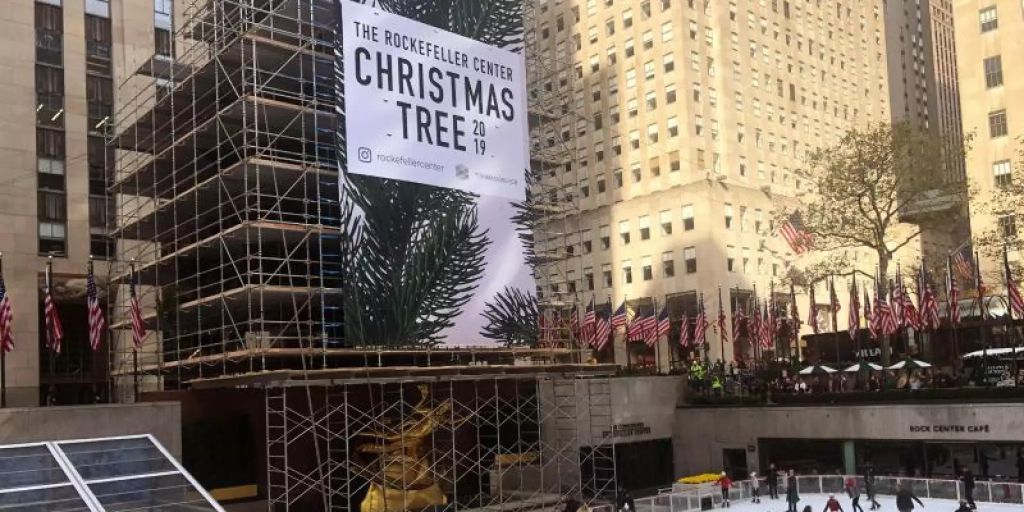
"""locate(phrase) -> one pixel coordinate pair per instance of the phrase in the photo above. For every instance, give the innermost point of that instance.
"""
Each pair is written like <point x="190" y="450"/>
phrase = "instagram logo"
<point x="365" y="155"/>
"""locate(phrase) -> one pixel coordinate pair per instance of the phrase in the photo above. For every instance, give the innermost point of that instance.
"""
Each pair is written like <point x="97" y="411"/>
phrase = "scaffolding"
<point x="555" y="171"/>
<point x="499" y="442"/>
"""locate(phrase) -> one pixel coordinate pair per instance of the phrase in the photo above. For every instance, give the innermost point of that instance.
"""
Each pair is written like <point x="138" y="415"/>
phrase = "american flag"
<point x="979" y="287"/>
<point x="812" y="314"/>
<point x="651" y="328"/>
<point x="833" y="304"/>
<point x="720" y="323"/>
<point x="886" y="323"/>
<point x="739" y="319"/>
<point x="620" y="317"/>
<point x="664" y="325"/>
<point x="701" y="327"/>
<point x="952" y="295"/>
<point x="636" y="327"/>
<point x="589" y="320"/>
<point x="1012" y="291"/>
<point x="896" y="302"/>
<point x="795" y="233"/>
<point x="6" y="317"/>
<point x="139" y="327"/>
<point x="854" y="317"/>
<point x="869" y="320"/>
<point x="767" y="328"/>
<point x="54" y="332"/>
<point x="929" y="308"/>
<point x="794" y="313"/>
<point x="963" y="261"/>
<point x="96" y="321"/>
<point x="602" y="331"/>
<point x="574" y="324"/>
<point x="910" y="315"/>
<point x="684" y="332"/>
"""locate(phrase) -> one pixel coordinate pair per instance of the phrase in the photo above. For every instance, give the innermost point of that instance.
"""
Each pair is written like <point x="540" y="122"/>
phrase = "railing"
<point x="710" y="496"/>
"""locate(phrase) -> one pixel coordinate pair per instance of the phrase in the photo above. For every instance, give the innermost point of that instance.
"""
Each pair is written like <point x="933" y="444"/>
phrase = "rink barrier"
<point x="692" y="500"/>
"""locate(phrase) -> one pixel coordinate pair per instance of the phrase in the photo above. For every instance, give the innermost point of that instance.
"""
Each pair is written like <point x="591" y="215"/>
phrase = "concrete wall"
<point x="702" y="434"/>
<point x="161" y="419"/>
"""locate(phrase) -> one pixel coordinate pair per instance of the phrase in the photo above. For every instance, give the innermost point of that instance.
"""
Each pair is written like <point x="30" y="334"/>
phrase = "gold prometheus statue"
<point x="405" y="481"/>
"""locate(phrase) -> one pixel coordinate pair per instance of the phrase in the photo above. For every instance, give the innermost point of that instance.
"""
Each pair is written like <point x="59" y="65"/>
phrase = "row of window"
<point x="51" y="162"/>
<point x="666" y="269"/>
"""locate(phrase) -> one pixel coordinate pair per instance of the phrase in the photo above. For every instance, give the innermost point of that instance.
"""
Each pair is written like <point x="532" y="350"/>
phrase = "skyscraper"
<point x="988" y="39"/>
<point x="690" y="118"/>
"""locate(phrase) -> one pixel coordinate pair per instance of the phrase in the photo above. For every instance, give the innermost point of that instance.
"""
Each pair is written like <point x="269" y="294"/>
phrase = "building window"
<point x="654" y="165"/>
<point x="49" y="26"/>
<point x="673" y="161"/>
<point x="606" y="275"/>
<point x="605" y="233"/>
<point x="668" y="265"/>
<point x="1002" y="171"/>
<point x="588" y="278"/>
<point x="627" y="271"/>
<point x="624" y="232"/>
<point x="600" y="184"/>
<point x="670" y="94"/>
<point x="99" y="93"/>
<point x="97" y="45"/>
<point x="669" y="62"/>
<point x="647" y="268"/>
<point x="1008" y="226"/>
<point x="584" y="188"/>
<point x="666" y="222"/>
<point x="645" y="227"/>
<point x="49" y="96"/>
<point x="993" y="71"/>
<point x="997" y="124"/>
<point x="989" y="19"/>
<point x="728" y="216"/>
<point x="688" y="223"/>
<point x="618" y="178"/>
<point x="690" y="259"/>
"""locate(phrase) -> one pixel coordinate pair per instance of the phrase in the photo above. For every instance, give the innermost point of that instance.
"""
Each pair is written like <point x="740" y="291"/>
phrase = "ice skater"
<point x="726" y="483"/>
<point x="968" y="478"/>
<point x="773" y="482"/>
<point x="905" y="499"/>
<point x="792" y="498"/>
<point x="755" y="489"/>
<point x="869" y="488"/>
<point x="853" y="491"/>
<point x="832" y="505"/>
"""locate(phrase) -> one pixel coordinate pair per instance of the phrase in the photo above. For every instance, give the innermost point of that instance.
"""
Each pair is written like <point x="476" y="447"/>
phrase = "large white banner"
<point x="432" y="107"/>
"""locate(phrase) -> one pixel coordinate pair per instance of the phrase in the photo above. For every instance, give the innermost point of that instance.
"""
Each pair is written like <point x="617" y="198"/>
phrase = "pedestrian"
<point x="755" y="487"/>
<point x="853" y="491"/>
<point x="726" y="483"/>
<point x="773" y="482"/>
<point x="968" y="478"/>
<point x="905" y="499"/>
<point x="869" y="488"/>
<point x="626" y="502"/>
<point x="792" y="498"/>
<point x="832" y="505"/>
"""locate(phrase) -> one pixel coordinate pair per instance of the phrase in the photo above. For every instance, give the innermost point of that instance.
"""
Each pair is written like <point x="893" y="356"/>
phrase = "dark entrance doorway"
<point x="644" y="465"/>
<point x="735" y="462"/>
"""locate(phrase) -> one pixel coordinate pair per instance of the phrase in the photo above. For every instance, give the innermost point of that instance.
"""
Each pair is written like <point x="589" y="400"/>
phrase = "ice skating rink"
<point x="817" y="503"/>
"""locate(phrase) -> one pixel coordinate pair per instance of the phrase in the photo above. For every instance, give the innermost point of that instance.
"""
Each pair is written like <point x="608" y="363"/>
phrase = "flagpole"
<point x="657" y="338"/>
<point x="750" y="337"/>
<point x="1010" y="330"/>
<point x="834" y="300"/>
<point x="135" y="350"/>
<point x="955" y="324"/>
<point x="3" y="354"/>
<point x="53" y="354"/>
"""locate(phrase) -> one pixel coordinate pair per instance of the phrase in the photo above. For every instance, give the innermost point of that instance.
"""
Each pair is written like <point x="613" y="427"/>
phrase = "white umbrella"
<point x="817" y="369"/>
<point x="864" y="367"/>
<point x="910" y="364"/>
